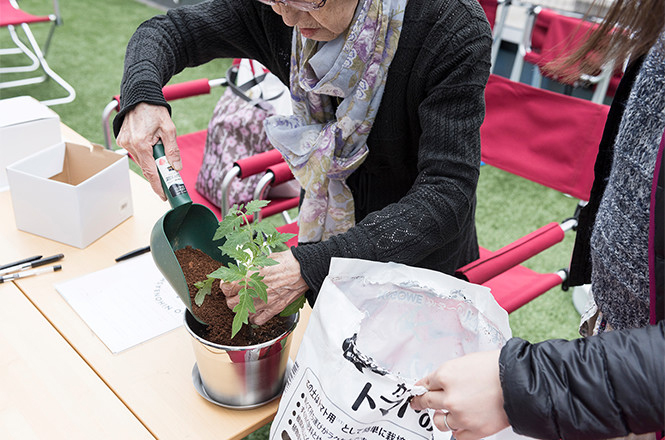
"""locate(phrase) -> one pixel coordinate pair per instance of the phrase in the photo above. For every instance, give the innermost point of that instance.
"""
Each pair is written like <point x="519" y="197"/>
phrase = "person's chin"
<point x="310" y="33"/>
<point x="317" y="34"/>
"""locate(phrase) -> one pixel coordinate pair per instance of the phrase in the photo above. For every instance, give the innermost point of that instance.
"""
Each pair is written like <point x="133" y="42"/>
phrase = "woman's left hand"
<point x="284" y="282"/>
<point x="468" y="389"/>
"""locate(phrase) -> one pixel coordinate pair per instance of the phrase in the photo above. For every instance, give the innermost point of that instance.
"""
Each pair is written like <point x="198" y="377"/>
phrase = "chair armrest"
<point x="497" y="262"/>
<point x="247" y="167"/>
<point x="258" y="163"/>
<point x="275" y="175"/>
<point x="171" y="92"/>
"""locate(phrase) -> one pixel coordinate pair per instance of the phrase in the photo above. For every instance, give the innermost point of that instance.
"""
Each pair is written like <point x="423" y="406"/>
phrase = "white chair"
<point x="12" y="17"/>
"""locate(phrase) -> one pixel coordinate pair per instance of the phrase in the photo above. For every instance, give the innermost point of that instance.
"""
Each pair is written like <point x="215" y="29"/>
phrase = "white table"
<point x="46" y="389"/>
<point x="152" y="379"/>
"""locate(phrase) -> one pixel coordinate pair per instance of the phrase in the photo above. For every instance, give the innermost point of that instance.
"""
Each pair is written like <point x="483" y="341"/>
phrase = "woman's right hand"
<point x="143" y="127"/>
<point x="468" y="389"/>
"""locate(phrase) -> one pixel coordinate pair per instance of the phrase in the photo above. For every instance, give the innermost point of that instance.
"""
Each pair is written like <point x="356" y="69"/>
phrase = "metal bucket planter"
<point x="239" y="377"/>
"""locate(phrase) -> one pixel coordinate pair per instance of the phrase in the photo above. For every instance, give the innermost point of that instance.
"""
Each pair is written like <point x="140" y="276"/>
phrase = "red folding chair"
<point x="548" y="138"/>
<point x="550" y="35"/>
<point x="11" y="17"/>
<point x="192" y="146"/>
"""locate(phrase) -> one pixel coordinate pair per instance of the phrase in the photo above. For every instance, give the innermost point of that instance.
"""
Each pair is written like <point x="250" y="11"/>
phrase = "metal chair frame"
<point x="497" y="31"/>
<point x="601" y="81"/>
<point x="34" y="53"/>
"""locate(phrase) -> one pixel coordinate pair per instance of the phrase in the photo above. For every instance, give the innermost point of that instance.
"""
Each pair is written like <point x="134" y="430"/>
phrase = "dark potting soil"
<point x="196" y="265"/>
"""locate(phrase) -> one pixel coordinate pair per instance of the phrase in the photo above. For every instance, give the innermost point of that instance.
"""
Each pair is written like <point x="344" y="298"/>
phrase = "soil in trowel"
<point x="196" y="265"/>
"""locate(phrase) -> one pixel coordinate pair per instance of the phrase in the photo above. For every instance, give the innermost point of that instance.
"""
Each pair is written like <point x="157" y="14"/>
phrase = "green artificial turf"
<point x="509" y="207"/>
<point x="88" y="51"/>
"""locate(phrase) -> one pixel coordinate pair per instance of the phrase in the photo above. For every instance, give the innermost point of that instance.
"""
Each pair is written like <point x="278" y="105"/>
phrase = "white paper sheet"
<point x="125" y="304"/>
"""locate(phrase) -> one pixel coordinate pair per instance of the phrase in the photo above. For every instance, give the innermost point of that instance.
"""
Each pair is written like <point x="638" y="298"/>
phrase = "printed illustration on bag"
<point x="359" y="360"/>
<point x="316" y="417"/>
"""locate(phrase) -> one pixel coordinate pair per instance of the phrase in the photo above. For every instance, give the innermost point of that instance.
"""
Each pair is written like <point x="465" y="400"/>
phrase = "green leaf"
<point x="278" y="239"/>
<point x="227" y="226"/>
<point x="292" y="308"/>
<point x="259" y="240"/>
<point x="255" y="276"/>
<point x="235" y="252"/>
<point x="228" y="273"/>
<point x="204" y="289"/>
<point x="279" y="248"/>
<point x="286" y="237"/>
<point x="258" y="286"/>
<point x="263" y="261"/>
<point x="234" y="243"/>
<point x="255" y="206"/>
<point x="234" y="210"/>
<point x="239" y="319"/>
<point x="246" y="301"/>
<point x="265" y="228"/>
<point x="254" y="246"/>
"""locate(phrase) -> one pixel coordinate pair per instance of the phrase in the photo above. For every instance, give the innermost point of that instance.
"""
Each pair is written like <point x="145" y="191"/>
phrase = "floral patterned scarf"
<point x="324" y="145"/>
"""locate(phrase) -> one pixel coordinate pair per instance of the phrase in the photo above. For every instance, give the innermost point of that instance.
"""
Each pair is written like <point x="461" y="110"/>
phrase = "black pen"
<point x="30" y="265"/>
<point x="29" y="273"/>
<point x="19" y="262"/>
<point x="134" y="253"/>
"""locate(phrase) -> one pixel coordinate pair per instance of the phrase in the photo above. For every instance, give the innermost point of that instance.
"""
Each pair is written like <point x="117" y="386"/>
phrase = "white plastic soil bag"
<point x="376" y="329"/>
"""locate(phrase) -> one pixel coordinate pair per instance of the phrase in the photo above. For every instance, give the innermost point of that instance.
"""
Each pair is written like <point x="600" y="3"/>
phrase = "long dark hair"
<point x="628" y="30"/>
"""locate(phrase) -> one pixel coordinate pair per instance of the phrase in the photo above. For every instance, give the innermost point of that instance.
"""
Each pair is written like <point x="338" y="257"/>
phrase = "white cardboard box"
<point x="70" y="193"/>
<point x="26" y="126"/>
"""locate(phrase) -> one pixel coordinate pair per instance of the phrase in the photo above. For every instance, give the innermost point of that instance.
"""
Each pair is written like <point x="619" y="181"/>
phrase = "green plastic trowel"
<point x="186" y="224"/>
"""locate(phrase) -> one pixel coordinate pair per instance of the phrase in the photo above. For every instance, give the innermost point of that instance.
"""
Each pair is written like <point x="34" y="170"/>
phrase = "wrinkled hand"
<point x="142" y="128"/>
<point x="284" y="285"/>
<point x="470" y="390"/>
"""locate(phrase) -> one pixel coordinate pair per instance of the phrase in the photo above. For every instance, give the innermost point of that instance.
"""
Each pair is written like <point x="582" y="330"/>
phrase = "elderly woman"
<point x="388" y="100"/>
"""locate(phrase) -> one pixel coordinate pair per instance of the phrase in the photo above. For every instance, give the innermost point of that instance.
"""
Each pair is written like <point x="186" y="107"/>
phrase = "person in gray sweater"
<point x="388" y="100"/>
<point x="611" y="383"/>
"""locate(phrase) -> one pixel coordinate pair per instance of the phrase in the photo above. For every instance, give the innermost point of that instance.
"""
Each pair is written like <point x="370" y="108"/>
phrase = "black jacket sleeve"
<point x="592" y="388"/>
